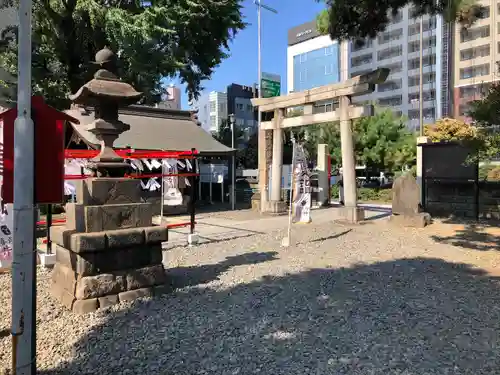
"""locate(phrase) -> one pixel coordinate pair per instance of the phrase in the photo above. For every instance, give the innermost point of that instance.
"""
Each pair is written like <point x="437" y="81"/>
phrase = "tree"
<point x="356" y="20"/>
<point x="245" y="157"/>
<point x="154" y="40"/>
<point x="383" y="142"/>
<point x="448" y="129"/>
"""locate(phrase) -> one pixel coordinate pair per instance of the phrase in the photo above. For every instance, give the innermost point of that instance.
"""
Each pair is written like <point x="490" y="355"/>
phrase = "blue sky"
<point x="241" y="66"/>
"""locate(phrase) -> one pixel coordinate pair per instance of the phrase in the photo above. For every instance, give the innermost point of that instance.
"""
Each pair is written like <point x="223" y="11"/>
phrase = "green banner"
<point x="271" y="85"/>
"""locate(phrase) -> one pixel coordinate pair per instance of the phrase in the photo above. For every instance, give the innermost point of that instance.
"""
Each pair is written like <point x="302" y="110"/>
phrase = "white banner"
<point x="6" y="229"/>
<point x="172" y="196"/>
<point x="302" y="187"/>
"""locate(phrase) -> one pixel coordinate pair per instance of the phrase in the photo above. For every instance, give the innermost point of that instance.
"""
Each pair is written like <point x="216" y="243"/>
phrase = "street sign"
<point x="271" y="85"/>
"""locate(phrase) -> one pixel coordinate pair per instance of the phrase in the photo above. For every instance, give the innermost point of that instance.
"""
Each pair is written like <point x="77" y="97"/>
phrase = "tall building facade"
<point x="476" y="55"/>
<point x="312" y="59"/>
<point x="172" y="99"/>
<point x="212" y="110"/>
<point x="239" y="104"/>
<point x="397" y="48"/>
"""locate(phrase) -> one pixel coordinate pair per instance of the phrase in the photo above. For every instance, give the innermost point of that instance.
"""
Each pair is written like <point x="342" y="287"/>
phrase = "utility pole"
<point x="24" y="256"/>
<point x="261" y="136"/>
<point x="421" y="79"/>
<point x="233" y="167"/>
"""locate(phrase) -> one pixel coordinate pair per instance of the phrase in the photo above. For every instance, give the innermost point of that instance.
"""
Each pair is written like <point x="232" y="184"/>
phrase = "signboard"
<point x="271" y="85"/>
<point x="302" y="187"/>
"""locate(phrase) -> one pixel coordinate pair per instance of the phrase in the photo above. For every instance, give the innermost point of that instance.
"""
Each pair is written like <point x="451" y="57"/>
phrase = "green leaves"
<point x="166" y="38"/>
<point x="350" y="20"/>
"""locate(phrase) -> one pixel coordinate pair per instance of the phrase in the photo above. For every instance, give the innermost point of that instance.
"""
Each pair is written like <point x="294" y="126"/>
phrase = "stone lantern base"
<point x="108" y="251"/>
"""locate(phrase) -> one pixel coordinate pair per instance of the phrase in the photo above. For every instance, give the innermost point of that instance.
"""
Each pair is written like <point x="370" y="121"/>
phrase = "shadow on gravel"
<point x="410" y="316"/>
<point x="190" y="276"/>
<point x="472" y="235"/>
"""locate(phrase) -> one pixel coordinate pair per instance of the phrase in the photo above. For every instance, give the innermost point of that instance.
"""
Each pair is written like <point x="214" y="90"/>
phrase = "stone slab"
<point x="121" y="238"/>
<point x="108" y="301"/>
<point x="100" y="191"/>
<point x="87" y="242"/>
<point x="159" y="290"/>
<point x="155" y="235"/>
<point x="109" y="260"/>
<point x="85" y="306"/>
<point x="62" y="295"/>
<point x="405" y="195"/>
<point x="64" y="277"/>
<point x="419" y="220"/>
<point x="75" y="216"/>
<point x="118" y="216"/>
<point x="98" y="286"/>
<point x="61" y="235"/>
<point x="276" y="207"/>
<point x="132" y="295"/>
<point x="146" y="277"/>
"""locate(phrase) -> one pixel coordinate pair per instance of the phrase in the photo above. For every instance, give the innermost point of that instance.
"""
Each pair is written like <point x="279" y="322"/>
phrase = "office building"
<point x="312" y="60"/>
<point x="476" y="54"/>
<point x="239" y="104"/>
<point x="212" y="110"/>
<point x="397" y="48"/>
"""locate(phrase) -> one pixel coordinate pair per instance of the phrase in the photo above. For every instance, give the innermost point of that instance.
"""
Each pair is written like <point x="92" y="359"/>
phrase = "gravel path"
<point x="363" y="300"/>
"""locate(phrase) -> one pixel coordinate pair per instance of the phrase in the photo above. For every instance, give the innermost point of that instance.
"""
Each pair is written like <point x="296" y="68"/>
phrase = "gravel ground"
<point x="363" y="300"/>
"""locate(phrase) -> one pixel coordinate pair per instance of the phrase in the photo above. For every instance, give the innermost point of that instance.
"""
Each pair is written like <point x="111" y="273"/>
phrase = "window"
<point x="428" y="24"/>
<point x="361" y="60"/>
<point x="467" y="35"/>
<point x="486" y="12"/>
<point x="222" y="107"/>
<point x="360" y="44"/>
<point x="475" y="71"/>
<point x="329" y="51"/>
<point x="472" y="53"/>
<point x="428" y="96"/>
<point x="415" y="45"/>
<point x="391" y="101"/>
<point x="212" y="106"/>
<point x="239" y="106"/>
<point x="396" y="18"/>
<point x="249" y="108"/>
<point x="328" y="69"/>
<point x="303" y="75"/>
<point x="426" y="61"/>
<point x="463" y="109"/>
<point x="303" y="57"/>
<point x="415" y="80"/>
<point x="390" y="36"/>
<point x="394" y="68"/>
<point x="474" y="91"/>
<point x="389" y="53"/>
<point x="390" y="85"/>
<point x="213" y="122"/>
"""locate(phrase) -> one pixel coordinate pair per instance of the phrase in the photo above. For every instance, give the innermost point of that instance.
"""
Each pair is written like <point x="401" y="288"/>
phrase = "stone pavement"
<point x="214" y="228"/>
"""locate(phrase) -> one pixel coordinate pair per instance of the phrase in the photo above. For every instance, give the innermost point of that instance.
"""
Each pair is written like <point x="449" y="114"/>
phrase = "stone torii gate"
<point x="271" y="134"/>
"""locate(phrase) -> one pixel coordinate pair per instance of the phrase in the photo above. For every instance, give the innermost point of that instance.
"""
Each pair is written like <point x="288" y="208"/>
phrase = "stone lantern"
<point x="106" y="93"/>
<point x="108" y="251"/>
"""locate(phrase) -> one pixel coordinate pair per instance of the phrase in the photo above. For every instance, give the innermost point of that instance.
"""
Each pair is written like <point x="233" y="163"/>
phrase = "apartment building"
<point x="398" y="48"/>
<point x="212" y="110"/>
<point x="476" y="55"/>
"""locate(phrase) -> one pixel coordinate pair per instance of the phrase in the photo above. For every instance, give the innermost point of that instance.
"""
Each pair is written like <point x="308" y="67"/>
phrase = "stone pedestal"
<point x="419" y="220"/>
<point x="275" y="207"/>
<point x="108" y="251"/>
<point x="352" y="215"/>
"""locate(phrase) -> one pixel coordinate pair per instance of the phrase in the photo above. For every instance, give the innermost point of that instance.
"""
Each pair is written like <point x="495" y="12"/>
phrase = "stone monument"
<point x="406" y="208"/>
<point x="108" y="251"/>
